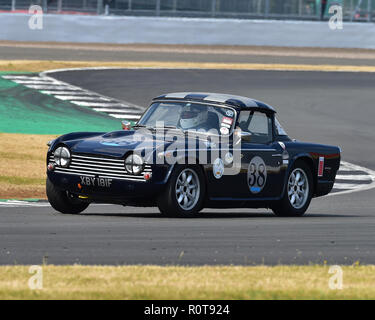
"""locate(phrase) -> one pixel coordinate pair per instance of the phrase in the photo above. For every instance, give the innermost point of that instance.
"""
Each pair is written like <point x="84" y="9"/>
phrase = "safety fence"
<point x="353" y="10"/>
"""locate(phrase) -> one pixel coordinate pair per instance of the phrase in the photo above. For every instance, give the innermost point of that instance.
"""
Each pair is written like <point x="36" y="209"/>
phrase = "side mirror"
<point x="240" y="135"/>
<point x="246" y="136"/>
<point x="126" y="125"/>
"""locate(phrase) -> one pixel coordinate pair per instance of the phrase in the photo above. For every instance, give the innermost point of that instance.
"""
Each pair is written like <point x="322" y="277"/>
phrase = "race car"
<point x="191" y="151"/>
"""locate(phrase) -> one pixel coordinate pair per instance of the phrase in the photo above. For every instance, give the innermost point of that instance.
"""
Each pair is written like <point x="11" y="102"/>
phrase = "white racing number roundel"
<point x="256" y="175"/>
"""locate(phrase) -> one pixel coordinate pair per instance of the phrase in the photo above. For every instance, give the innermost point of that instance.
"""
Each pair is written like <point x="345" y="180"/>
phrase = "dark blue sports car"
<point x="190" y="151"/>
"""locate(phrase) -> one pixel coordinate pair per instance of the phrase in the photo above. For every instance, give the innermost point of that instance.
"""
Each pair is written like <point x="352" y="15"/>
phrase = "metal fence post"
<point x="99" y="7"/>
<point x="213" y="7"/>
<point x="45" y="6"/>
<point x="157" y="12"/>
<point x="369" y="13"/>
<point x="174" y="8"/>
<point x="130" y="5"/>
<point x="13" y="5"/>
<point x="267" y="8"/>
<point x="59" y="5"/>
<point x="300" y="7"/>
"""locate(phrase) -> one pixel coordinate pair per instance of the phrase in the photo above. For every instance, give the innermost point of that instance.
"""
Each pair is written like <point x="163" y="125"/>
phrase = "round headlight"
<point x="62" y="157"/>
<point x="134" y="164"/>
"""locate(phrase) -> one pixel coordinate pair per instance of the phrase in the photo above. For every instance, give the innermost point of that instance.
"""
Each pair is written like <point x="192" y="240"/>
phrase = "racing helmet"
<point x="192" y="117"/>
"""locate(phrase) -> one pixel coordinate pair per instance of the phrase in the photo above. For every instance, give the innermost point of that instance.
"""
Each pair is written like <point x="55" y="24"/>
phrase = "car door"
<point x="260" y="174"/>
<point x="261" y="158"/>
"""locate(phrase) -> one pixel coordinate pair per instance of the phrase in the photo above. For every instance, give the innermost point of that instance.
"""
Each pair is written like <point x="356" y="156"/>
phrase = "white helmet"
<point x="192" y="117"/>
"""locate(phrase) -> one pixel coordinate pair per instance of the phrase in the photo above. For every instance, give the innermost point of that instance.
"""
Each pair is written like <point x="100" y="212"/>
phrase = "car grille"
<point x="106" y="167"/>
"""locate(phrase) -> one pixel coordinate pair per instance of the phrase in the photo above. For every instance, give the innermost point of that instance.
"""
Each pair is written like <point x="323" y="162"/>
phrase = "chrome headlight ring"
<point x="62" y="157"/>
<point x="134" y="164"/>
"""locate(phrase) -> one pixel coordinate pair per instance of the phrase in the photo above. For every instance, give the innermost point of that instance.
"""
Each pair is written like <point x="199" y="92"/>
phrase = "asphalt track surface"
<point x="332" y="108"/>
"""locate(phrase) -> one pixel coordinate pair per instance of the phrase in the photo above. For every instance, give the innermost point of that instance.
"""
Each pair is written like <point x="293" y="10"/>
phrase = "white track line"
<point x="88" y="98"/>
<point x="23" y="204"/>
<point x="96" y="104"/>
<point x="11" y="77"/>
<point x="119" y="110"/>
<point x="346" y="166"/>
<point x="359" y="177"/>
<point x="71" y="93"/>
<point x="37" y="82"/>
<point x="49" y="87"/>
<point x="81" y="97"/>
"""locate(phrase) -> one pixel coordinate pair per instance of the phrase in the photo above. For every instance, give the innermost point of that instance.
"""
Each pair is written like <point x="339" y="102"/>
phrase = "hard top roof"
<point x="240" y="102"/>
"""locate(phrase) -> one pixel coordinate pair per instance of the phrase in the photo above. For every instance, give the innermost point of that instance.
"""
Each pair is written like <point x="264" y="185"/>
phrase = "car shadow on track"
<point x="216" y="215"/>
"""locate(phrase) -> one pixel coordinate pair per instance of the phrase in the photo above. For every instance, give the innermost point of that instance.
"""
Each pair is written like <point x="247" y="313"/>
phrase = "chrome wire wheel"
<point x="187" y="189"/>
<point x="298" y="188"/>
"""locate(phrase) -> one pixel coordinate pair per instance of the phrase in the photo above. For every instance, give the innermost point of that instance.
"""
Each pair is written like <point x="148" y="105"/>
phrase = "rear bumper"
<point x="323" y="187"/>
<point x="119" y="191"/>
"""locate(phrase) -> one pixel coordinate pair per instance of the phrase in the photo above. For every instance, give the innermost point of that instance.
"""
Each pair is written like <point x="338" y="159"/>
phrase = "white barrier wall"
<point x="107" y="29"/>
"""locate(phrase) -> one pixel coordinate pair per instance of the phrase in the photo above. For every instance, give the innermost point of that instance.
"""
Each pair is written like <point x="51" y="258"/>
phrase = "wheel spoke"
<point x="298" y="176"/>
<point x="292" y="178"/>
<point x="189" y="178"/>
<point x="183" y="176"/>
<point x="298" y="198"/>
<point x="180" y="198"/>
<point x="293" y="199"/>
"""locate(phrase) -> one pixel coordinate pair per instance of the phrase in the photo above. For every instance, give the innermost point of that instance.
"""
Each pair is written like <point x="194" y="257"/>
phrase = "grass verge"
<point x="23" y="168"/>
<point x="207" y="282"/>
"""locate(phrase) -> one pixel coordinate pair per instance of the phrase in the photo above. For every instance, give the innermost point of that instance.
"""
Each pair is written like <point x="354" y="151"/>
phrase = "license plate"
<point x="95" y="182"/>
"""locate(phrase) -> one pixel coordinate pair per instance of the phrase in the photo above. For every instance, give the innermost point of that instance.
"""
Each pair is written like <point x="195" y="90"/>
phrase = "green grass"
<point x="21" y="180"/>
<point x="24" y="110"/>
<point x="207" y="282"/>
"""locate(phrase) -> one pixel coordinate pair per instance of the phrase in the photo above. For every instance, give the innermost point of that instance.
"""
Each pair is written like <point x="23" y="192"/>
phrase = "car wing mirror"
<point x="240" y="135"/>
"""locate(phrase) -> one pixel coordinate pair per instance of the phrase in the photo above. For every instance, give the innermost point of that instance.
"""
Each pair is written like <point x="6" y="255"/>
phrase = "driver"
<point x="193" y="117"/>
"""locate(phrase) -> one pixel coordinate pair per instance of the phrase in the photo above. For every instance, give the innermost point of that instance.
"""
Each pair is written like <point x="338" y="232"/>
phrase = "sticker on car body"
<point x="218" y="168"/>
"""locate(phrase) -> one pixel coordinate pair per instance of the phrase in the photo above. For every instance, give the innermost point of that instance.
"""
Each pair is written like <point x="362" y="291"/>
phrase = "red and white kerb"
<point x="321" y="167"/>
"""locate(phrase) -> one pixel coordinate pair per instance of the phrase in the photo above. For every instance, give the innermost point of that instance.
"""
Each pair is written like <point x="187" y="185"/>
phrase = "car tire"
<point x="185" y="192"/>
<point x="61" y="202"/>
<point x="298" y="192"/>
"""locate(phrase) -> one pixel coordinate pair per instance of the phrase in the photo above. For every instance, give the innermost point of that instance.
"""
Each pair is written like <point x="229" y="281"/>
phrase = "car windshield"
<point x="279" y="129"/>
<point x="189" y="116"/>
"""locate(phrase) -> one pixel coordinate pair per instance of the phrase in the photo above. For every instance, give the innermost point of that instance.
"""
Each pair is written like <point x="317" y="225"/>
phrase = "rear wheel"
<point x="184" y="194"/>
<point x="298" y="192"/>
<point x="62" y="202"/>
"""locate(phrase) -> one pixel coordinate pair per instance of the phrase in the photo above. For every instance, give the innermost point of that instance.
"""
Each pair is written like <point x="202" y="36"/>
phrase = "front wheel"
<point x="184" y="193"/>
<point x="298" y="192"/>
<point x="61" y="201"/>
